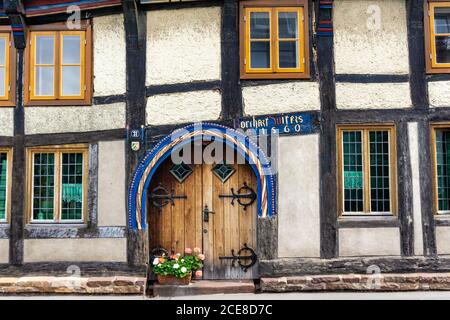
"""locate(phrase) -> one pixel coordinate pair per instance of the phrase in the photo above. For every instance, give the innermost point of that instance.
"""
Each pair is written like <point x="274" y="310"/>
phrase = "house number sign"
<point x="284" y="124"/>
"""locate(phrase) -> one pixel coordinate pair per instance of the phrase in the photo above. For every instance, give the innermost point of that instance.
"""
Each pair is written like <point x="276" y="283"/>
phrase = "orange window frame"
<point x="432" y="66"/>
<point x="8" y="99"/>
<point x="58" y="31"/>
<point x="302" y="40"/>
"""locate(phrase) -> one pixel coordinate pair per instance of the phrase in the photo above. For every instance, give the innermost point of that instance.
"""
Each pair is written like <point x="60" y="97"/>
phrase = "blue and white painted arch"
<point x="201" y="131"/>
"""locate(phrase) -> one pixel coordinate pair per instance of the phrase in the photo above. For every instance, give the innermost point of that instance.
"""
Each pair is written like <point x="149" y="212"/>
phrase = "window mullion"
<point x="366" y="168"/>
<point x="274" y="39"/>
<point x="57" y="188"/>
<point x="58" y="66"/>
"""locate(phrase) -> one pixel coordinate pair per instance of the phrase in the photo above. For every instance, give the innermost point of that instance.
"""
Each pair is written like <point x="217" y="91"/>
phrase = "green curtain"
<point x="72" y="192"/>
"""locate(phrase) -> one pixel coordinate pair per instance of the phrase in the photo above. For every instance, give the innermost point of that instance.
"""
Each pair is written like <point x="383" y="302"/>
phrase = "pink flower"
<point x="197" y="250"/>
<point x="188" y="250"/>
<point x="201" y="256"/>
<point x="199" y="273"/>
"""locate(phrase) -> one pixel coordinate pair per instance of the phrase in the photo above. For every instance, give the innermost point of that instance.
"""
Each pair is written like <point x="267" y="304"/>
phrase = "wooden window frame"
<point x="60" y="29"/>
<point x="9" y="159"/>
<point x="433" y="128"/>
<point x="366" y="128"/>
<point x="58" y="151"/>
<point x="10" y="98"/>
<point x="303" y="72"/>
<point x="430" y="56"/>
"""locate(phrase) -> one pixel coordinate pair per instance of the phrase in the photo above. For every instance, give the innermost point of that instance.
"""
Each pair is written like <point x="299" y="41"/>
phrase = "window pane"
<point x="2" y="51"/>
<point x="44" y="49"/>
<point x="259" y="25"/>
<point x="442" y="20"/>
<point x="353" y="171"/>
<point x="443" y="49"/>
<point x="287" y="25"/>
<point x="379" y="171"/>
<point x="71" y="81"/>
<point x="43" y="186"/>
<point x="2" y="81"/>
<point x="44" y="81"/>
<point x="260" y="54"/>
<point x="288" y="54"/>
<point x="71" y="50"/>
<point x="72" y="186"/>
<point x="3" y="184"/>
<point x="443" y="168"/>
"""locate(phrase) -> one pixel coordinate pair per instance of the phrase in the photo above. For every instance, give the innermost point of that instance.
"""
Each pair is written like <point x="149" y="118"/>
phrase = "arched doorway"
<point x="208" y="206"/>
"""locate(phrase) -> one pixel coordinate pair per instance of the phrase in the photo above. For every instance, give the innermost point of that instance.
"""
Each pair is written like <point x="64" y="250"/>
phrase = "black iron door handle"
<point x="206" y="213"/>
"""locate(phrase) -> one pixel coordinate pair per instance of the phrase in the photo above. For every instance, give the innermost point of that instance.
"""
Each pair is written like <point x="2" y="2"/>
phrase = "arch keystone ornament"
<point x="261" y="166"/>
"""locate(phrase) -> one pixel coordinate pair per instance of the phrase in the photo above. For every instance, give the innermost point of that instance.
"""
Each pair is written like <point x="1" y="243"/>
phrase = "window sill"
<point x="442" y="220"/>
<point x="266" y="76"/>
<point x="52" y="103"/>
<point x="386" y="221"/>
<point x="39" y="225"/>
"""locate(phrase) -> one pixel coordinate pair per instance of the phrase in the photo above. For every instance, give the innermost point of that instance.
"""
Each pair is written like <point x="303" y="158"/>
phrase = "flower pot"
<point x="172" y="280"/>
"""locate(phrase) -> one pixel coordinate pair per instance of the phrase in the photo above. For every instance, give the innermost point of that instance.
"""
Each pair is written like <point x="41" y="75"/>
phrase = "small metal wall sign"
<point x="285" y="124"/>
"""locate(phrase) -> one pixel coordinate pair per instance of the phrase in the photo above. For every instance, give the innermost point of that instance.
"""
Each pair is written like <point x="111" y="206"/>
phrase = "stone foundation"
<point x="357" y="282"/>
<point x="72" y="285"/>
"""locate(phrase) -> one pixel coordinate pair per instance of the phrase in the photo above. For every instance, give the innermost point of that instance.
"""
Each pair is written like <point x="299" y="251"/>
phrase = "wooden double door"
<point x="180" y="222"/>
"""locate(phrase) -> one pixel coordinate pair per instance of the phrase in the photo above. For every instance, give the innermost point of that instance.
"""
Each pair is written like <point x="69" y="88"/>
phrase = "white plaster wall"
<point x="6" y="121"/>
<point x="355" y="242"/>
<point x="278" y="98"/>
<point x="413" y="137"/>
<point x="183" y="45"/>
<point x="109" y="55"/>
<point x="359" y="49"/>
<point x="183" y="107"/>
<point x="439" y="93"/>
<point x="299" y="200"/>
<point x="74" y="119"/>
<point x="100" y="249"/>
<point x="373" y="95"/>
<point x="4" y="250"/>
<point x="111" y="184"/>
<point x="443" y="240"/>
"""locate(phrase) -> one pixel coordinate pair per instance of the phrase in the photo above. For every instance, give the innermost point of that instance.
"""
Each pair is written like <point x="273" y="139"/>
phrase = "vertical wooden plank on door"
<point x="231" y="223"/>
<point x="208" y="238"/>
<point x="166" y="211"/>
<point x="189" y="211"/>
<point x="198" y="219"/>
<point x="218" y="217"/>
<point x="247" y="217"/>
<point x="178" y="215"/>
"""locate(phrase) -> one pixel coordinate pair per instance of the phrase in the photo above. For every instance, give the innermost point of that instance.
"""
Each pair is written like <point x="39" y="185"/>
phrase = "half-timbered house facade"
<point x="353" y="96"/>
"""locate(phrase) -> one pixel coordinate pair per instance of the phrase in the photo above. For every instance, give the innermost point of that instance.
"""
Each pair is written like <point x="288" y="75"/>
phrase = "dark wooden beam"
<point x="328" y="187"/>
<point x="231" y="89"/>
<point x="183" y="87"/>
<point x="74" y="137"/>
<point x="426" y="185"/>
<point x="404" y="188"/>
<point x="416" y="46"/>
<point x="135" y="20"/>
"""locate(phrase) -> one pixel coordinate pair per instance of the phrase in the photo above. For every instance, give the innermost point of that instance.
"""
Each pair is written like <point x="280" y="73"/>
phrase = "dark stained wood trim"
<point x="135" y="21"/>
<point x="72" y="232"/>
<point x="60" y="268"/>
<point x="327" y="147"/>
<point x="441" y="221"/>
<point x="426" y="185"/>
<point x="372" y="78"/>
<point x="109" y="99"/>
<point x="265" y="82"/>
<point x="183" y="87"/>
<point x="438" y="77"/>
<point x="305" y="266"/>
<point x="62" y="17"/>
<point x="18" y="183"/>
<point x="181" y="5"/>
<point x="368" y="222"/>
<point x="92" y="195"/>
<point x="49" y="139"/>
<point x="230" y="67"/>
<point x="404" y="190"/>
<point x="6" y="141"/>
<point x="416" y="47"/>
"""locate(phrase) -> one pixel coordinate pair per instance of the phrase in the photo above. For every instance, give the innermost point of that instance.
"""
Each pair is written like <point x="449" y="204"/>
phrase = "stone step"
<point x="204" y="287"/>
